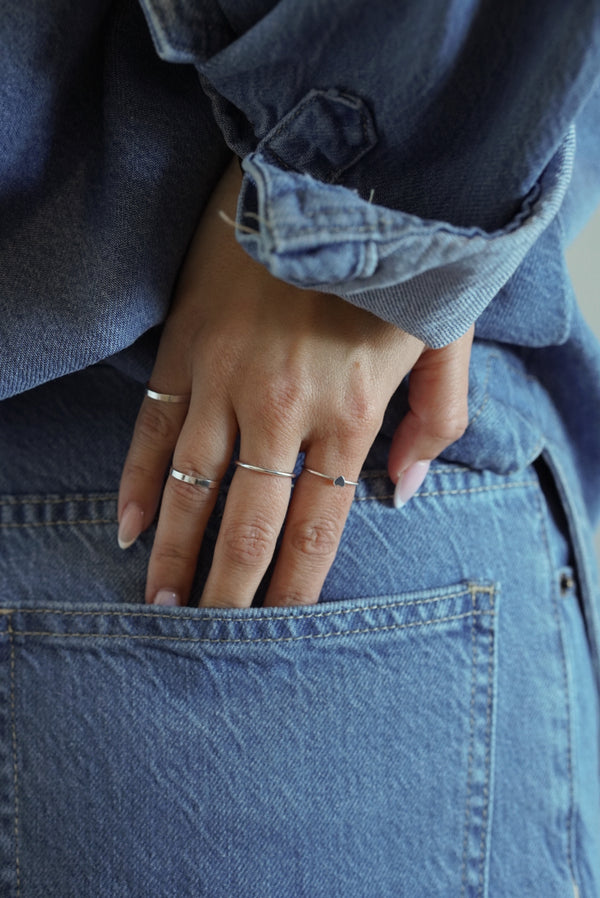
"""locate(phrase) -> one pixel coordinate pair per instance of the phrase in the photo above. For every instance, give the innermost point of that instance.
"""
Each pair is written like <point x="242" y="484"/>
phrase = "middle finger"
<point x="254" y="513"/>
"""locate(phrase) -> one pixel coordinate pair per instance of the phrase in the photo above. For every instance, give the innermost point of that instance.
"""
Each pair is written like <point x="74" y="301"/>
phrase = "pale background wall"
<point x="583" y="259"/>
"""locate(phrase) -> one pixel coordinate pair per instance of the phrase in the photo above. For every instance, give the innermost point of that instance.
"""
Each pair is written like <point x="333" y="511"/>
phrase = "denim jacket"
<point x="426" y="161"/>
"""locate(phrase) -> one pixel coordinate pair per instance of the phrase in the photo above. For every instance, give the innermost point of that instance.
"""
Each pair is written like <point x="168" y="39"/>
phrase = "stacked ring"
<point x="167" y="397"/>
<point x="204" y="482"/>
<point x="336" y="481"/>
<point x="261" y="470"/>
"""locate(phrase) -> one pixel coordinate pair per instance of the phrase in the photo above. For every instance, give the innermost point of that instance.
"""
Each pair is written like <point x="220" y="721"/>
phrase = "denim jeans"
<point x="429" y="728"/>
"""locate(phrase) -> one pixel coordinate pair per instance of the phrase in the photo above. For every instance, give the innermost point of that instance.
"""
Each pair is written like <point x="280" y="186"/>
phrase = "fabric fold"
<point x="431" y="278"/>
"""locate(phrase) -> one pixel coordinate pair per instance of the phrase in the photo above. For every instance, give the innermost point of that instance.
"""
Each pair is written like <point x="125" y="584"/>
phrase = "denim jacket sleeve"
<point x="406" y="157"/>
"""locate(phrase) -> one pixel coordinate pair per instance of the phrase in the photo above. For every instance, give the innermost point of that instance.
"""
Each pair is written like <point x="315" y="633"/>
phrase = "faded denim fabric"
<point x="431" y="727"/>
<point x="428" y="729"/>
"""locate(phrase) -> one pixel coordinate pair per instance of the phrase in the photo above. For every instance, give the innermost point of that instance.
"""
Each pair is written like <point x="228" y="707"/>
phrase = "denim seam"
<point x="477" y="589"/>
<point x="230" y="641"/>
<point x="57" y="523"/>
<point x="75" y="497"/>
<point x="542" y="515"/>
<point x="488" y="757"/>
<point x="372" y="475"/>
<point x="13" y="720"/>
<point x="476" y="489"/>
<point x="470" y="756"/>
<point x="375" y="473"/>
<point x="483" y="819"/>
<point x="398" y="231"/>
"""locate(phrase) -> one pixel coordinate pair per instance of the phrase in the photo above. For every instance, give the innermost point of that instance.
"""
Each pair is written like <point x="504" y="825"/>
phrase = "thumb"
<point x="438" y="414"/>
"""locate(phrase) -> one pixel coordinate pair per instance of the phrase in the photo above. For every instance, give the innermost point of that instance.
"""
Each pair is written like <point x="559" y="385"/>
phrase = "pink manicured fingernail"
<point x="166" y="597"/>
<point x="409" y="482"/>
<point x="131" y="525"/>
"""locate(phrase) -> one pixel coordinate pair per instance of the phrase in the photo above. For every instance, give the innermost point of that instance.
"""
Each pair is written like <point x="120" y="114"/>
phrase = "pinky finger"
<point x="438" y="414"/>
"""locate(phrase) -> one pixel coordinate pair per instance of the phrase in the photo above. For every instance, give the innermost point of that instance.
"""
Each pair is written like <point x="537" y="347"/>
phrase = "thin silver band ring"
<point x="260" y="470"/>
<point x="336" y="481"/>
<point x="194" y="481"/>
<point x="167" y="397"/>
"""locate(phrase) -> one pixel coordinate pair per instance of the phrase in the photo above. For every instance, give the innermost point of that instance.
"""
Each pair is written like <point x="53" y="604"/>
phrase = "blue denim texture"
<point x="428" y="728"/>
<point x="431" y="727"/>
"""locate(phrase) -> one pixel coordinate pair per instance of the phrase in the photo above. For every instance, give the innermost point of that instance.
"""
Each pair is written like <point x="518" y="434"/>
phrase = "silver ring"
<point x="242" y="464"/>
<point x="194" y="481"/>
<point x="167" y="397"/>
<point x="336" y="481"/>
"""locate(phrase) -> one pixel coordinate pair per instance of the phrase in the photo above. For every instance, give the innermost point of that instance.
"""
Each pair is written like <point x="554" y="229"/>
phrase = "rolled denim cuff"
<point x="430" y="278"/>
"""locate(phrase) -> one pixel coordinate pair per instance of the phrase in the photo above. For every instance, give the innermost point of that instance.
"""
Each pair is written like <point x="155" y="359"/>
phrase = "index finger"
<point x="157" y="428"/>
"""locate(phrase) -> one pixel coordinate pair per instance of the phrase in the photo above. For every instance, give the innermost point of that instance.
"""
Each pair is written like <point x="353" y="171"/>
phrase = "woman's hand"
<point x="289" y="370"/>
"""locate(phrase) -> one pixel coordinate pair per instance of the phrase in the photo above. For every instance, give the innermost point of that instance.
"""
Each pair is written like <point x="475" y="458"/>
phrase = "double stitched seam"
<point x="565" y="677"/>
<point x="460" y="492"/>
<point x="13" y="723"/>
<point x="397" y="231"/>
<point x="488" y="755"/>
<point x="487" y="760"/>
<point x="62" y="500"/>
<point x="230" y="641"/>
<point x="281" y="162"/>
<point x="375" y="474"/>
<point x="527" y="210"/>
<point x="309" y="616"/>
<point x="58" y="523"/>
<point x="470" y="757"/>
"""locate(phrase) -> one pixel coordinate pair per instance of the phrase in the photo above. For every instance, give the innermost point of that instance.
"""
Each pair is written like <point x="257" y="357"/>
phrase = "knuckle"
<point x="286" y="390"/>
<point x="249" y="543"/>
<point x="155" y="425"/>
<point x="282" y="399"/>
<point x="315" y="539"/>
<point x="448" y="428"/>
<point x="361" y="416"/>
<point x="169" y="554"/>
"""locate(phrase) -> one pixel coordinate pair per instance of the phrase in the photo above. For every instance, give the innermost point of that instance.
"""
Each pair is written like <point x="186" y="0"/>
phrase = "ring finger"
<point x="254" y="513"/>
<point x="316" y="519"/>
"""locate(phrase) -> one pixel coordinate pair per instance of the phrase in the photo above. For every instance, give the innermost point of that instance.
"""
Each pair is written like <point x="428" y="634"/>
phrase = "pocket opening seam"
<point x="457" y="492"/>
<point x="33" y="524"/>
<point x="472" y="588"/>
<point x="235" y="641"/>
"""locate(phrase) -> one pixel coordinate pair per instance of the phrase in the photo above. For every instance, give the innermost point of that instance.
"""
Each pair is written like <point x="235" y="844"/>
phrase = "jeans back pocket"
<point x="339" y="750"/>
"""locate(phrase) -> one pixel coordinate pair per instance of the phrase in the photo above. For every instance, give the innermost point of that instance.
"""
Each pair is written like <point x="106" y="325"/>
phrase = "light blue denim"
<point x="431" y="727"/>
<point x="428" y="729"/>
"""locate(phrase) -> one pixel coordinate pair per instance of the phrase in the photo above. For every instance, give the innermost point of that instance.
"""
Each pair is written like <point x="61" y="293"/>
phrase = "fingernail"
<point x="131" y="525"/>
<point x="409" y="482"/>
<point x="166" y="597"/>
